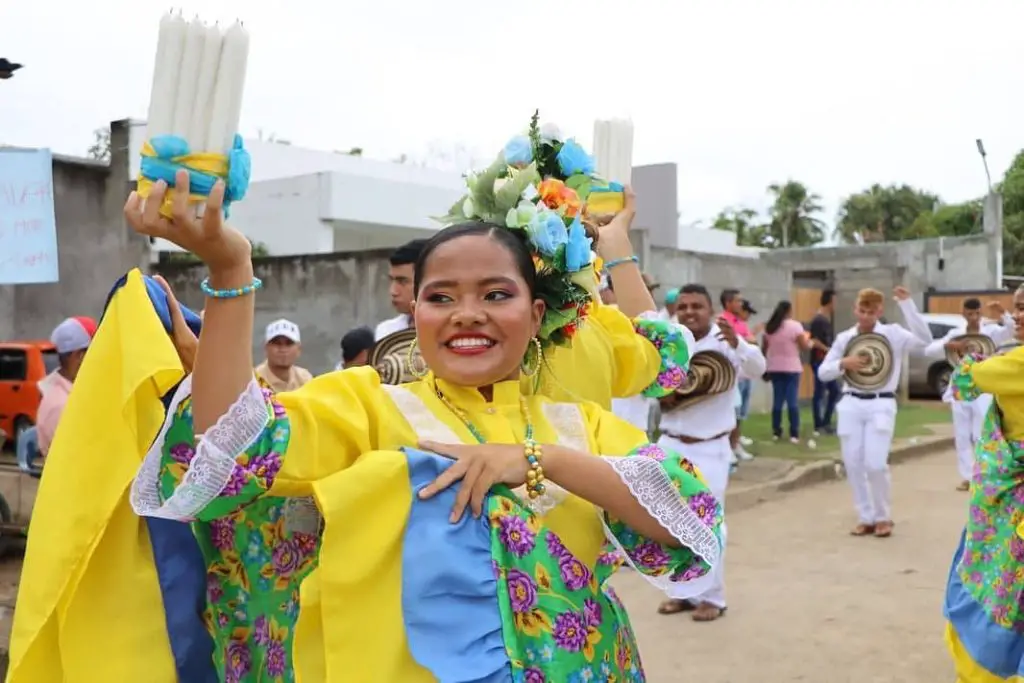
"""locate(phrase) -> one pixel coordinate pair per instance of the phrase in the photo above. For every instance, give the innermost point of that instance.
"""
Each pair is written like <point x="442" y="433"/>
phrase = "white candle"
<point x="227" y="95"/>
<point x="188" y="77"/>
<point x="613" y="150"/>
<point x="169" y="48"/>
<point x="199" y="124"/>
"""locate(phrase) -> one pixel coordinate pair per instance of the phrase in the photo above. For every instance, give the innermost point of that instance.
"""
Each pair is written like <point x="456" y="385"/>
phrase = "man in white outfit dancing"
<point x="866" y="420"/>
<point x="700" y="432"/>
<point x="969" y="416"/>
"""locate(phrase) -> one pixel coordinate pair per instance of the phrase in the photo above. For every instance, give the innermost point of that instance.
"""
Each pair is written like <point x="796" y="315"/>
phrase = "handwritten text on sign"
<point x="28" y="229"/>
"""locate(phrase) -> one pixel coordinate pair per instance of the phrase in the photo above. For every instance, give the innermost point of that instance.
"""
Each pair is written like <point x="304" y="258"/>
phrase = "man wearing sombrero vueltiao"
<point x="866" y="419"/>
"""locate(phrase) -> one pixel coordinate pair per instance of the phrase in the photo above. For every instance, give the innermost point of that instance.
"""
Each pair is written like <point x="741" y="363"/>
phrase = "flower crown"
<point x="539" y="186"/>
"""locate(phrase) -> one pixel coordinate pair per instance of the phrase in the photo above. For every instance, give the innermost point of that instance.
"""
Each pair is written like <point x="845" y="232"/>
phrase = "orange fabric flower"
<point x="556" y="195"/>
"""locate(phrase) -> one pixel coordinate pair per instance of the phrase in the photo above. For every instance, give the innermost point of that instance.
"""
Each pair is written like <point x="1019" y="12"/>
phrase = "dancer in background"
<point x="400" y="288"/>
<point x="867" y="419"/>
<point x="701" y="430"/>
<point x="969" y="416"/>
<point x="984" y="605"/>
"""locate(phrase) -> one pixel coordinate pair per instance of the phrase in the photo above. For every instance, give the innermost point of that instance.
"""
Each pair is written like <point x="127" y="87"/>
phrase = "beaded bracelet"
<point x="230" y="293"/>
<point x="620" y="261"/>
<point x="534" y="475"/>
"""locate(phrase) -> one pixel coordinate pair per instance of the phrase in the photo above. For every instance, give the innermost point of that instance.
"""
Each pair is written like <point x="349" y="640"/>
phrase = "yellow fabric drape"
<point x="89" y="606"/>
<point x="607" y="359"/>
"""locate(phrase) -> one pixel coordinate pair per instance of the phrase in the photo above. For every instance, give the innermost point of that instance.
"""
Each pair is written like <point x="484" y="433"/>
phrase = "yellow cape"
<point x="85" y="543"/>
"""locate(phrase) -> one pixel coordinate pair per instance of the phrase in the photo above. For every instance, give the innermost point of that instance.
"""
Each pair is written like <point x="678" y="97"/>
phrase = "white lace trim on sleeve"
<point x="213" y="463"/>
<point x="653" y="489"/>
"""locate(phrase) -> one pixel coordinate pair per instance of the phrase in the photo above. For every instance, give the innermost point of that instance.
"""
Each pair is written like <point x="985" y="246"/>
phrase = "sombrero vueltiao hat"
<point x="880" y="362"/>
<point x="976" y="343"/>
<point x="711" y="373"/>
<point x="390" y="358"/>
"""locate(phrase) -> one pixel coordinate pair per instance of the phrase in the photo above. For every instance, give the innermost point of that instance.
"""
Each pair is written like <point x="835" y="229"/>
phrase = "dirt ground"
<point x="808" y="602"/>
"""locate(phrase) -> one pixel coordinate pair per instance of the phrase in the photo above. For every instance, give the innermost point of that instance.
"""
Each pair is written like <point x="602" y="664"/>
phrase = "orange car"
<point x="22" y="366"/>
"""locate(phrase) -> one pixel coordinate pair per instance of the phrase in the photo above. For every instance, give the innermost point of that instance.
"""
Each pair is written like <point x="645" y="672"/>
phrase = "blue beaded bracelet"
<point x="619" y="261"/>
<point x="230" y="293"/>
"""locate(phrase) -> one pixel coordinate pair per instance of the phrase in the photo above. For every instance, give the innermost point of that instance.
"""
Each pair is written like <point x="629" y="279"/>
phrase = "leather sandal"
<point x="675" y="607"/>
<point x="963" y="486"/>
<point x="705" y="611"/>
<point x="862" y="530"/>
<point x="883" y="529"/>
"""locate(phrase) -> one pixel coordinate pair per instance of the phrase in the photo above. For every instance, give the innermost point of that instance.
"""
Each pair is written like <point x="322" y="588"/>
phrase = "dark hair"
<point x="827" y="296"/>
<point x="694" y="288"/>
<point x="972" y="304"/>
<point x="728" y="295"/>
<point x="510" y="239"/>
<point x="408" y="253"/>
<point x="748" y="308"/>
<point x="355" y="342"/>
<point x="782" y="310"/>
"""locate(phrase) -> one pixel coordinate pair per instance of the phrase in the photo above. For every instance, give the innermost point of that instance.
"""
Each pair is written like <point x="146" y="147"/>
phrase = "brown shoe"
<point x="675" y="607"/>
<point x="883" y="529"/>
<point x="862" y="530"/>
<point x="963" y="486"/>
<point x="707" y="612"/>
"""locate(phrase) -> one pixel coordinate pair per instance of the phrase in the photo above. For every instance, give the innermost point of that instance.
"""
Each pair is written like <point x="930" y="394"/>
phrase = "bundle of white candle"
<point x="196" y="99"/>
<point x="613" y="150"/>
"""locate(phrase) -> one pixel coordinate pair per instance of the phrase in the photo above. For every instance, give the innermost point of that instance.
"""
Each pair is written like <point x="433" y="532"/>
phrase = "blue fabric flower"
<point x="518" y="151"/>
<point x="577" y="251"/>
<point x="547" y="232"/>
<point x="573" y="159"/>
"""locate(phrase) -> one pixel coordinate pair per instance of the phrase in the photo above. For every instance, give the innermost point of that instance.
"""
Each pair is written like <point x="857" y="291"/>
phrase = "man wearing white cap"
<point x="71" y="338"/>
<point x="284" y="345"/>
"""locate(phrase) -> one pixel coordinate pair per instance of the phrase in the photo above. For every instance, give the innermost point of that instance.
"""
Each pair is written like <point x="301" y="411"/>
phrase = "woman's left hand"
<point x="479" y="467"/>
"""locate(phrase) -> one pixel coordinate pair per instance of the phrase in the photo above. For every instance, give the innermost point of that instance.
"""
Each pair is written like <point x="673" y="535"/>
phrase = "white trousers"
<point x="712" y="459"/>
<point x="968" y="418"/>
<point x="865" y="428"/>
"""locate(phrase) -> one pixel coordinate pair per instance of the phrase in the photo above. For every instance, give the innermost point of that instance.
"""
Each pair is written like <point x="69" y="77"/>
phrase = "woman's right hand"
<point x="222" y="248"/>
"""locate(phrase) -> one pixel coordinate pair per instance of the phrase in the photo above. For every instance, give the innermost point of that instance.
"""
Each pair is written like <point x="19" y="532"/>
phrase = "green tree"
<point x="100" y="147"/>
<point x="890" y="213"/>
<point x="793" y="216"/>
<point x="1012" y="189"/>
<point x="747" y="225"/>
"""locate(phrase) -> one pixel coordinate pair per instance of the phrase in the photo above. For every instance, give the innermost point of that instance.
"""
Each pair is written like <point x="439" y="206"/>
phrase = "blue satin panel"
<point x="449" y="589"/>
<point x="997" y="649"/>
<point x="158" y="298"/>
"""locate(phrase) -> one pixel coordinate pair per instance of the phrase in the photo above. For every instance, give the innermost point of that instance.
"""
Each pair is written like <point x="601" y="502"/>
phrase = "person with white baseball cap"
<point x="283" y="347"/>
<point x="71" y="339"/>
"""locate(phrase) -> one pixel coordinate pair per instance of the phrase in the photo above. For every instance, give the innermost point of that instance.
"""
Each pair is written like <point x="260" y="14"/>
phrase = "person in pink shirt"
<point x="732" y="311"/>
<point x="72" y="338"/>
<point x="784" y="340"/>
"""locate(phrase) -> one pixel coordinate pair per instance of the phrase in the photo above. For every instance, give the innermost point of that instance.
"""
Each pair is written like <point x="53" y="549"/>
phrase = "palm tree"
<point x="794" y="220"/>
<point x="745" y="223"/>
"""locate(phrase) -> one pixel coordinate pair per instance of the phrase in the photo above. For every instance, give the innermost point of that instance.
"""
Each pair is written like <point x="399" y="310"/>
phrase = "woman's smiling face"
<point x="474" y="312"/>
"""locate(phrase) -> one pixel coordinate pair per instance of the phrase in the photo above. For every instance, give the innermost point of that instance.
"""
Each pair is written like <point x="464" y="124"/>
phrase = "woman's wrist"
<point x="240" y="275"/>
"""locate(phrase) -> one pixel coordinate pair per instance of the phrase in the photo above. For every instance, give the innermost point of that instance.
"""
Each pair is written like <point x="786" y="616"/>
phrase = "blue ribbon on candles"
<point x="165" y="155"/>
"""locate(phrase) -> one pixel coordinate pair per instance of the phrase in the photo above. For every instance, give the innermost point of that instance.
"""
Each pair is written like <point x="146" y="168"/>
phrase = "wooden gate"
<point x="952" y="302"/>
<point x="806" y="302"/>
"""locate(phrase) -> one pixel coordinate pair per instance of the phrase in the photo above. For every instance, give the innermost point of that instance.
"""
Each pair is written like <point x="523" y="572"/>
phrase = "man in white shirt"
<point x="400" y="274"/>
<point x="283" y="347"/>
<point x="700" y="432"/>
<point x="866" y="420"/>
<point x="969" y="416"/>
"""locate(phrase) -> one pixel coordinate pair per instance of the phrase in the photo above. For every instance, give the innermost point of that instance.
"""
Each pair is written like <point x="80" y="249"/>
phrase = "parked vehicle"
<point x="22" y="366"/>
<point x="929" y="373"/>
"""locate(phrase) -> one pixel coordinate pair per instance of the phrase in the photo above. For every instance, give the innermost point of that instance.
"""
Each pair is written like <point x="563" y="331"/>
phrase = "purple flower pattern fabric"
<point x="255" y="561"/>
<point x="561" y="621"/>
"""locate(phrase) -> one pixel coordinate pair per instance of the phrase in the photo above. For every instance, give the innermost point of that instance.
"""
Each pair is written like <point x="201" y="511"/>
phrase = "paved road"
<point x="808" y="602"/>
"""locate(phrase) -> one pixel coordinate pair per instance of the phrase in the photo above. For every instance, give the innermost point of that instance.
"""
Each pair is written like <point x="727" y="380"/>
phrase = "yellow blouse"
<point x="607" y="359"/>
<point x="1003" y="377"/>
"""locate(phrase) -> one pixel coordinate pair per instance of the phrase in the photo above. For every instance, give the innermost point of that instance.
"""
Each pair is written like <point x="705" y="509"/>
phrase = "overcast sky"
<point x="739" y="93"/>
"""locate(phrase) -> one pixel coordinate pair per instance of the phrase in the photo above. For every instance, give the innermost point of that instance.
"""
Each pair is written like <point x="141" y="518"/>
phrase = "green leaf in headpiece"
<point x="512" y="191"/>
<point x="556" y="319"/>
<point x="483" y="192"/>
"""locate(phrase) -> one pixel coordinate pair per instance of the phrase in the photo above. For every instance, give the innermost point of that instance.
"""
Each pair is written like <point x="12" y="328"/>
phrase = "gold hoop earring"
<point x="414" y="360"/>
<point x="538" y="355"/>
